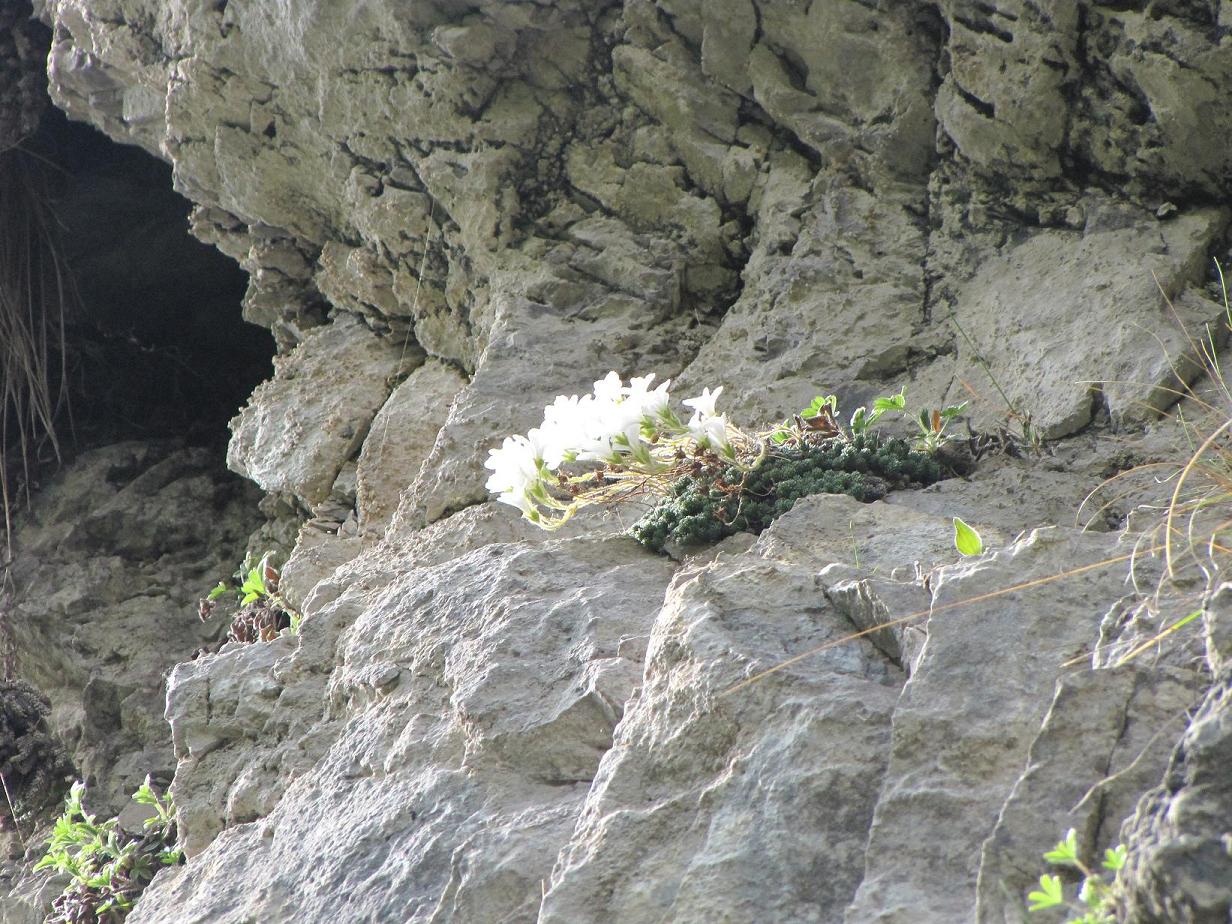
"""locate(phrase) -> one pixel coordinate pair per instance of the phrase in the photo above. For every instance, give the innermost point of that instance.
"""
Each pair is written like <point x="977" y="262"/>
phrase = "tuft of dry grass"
<point x="36" y="297"/>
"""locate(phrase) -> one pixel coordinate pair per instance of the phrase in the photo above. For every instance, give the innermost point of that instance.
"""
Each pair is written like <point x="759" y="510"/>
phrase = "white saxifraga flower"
<point x="565" y="423"/>
<point x="710" y="432"/>
<point x="515" y="472"/>
<point x="609" y="389"/>
<point x="703" y="404"/>
<point x="650" y="403"/>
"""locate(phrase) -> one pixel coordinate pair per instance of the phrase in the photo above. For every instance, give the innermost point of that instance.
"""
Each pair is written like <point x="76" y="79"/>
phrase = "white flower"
<point x="709" y="432"/>
<point x="598" y="448"/>
<point x="522" y="502"/>
<point x="609" y="388"/>
<point x="515" y="468"/>
<point x="565" y="423"/>
<point x="649" y="403"/>
<point x="704" y="403"/>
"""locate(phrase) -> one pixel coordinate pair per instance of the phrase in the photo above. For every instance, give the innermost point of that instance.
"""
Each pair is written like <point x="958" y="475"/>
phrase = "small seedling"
<point x="1096" y="901"/>
<point x="862" y="420"/>
<point x="933" y="423"/>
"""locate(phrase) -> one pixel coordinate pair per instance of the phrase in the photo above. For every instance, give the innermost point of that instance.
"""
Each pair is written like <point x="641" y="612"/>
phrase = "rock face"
<point x="1180" y="868"/>
<point x="451" y="213"/>
<point x="108" y="570"/>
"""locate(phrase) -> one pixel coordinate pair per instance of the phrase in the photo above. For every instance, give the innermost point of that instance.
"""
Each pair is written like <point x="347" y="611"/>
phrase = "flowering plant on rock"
<point x="631" y="431"/>
<point x="710" y="478"/>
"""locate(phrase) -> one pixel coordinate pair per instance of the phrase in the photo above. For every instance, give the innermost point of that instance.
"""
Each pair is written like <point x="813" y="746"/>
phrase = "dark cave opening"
<point x="163" y="348"/>
<point x="154" y="345"/>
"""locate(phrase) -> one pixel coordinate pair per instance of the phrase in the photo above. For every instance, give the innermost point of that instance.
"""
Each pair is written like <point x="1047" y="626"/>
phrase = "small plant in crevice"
<point x="709" y="478"/>
<point x="108" y="866"/>
<point x="1028" y="435"/>
<point x="1096" y="901"/>
<point x="260" y="612"/>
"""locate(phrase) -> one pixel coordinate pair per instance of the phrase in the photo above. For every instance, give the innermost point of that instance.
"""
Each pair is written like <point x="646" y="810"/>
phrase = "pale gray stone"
<point x="303" y="425"/>
<point x="402" y="435"/>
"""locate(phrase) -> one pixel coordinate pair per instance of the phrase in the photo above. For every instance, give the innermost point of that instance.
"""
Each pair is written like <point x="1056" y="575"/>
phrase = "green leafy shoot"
<point x="108" y="867"/>
<point x="896" y="402"/>
<point x="781" y="433"/>
<point x="1066" y="851"/>
<point x="968" y="542"/>
<point x="1097" y="901"/>
<point x="819" y="404"/>
<point x="1049" y="894"/>
<point x="932" y="424"/>
<point x="218" y="591"/>
<point x="863" y="419"/>
<point x="253" y="587"/>
<point x="1114" y="858"/>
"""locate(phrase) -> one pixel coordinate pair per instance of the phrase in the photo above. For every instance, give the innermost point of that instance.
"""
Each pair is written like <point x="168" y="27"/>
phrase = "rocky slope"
<point x="451" y="213"/>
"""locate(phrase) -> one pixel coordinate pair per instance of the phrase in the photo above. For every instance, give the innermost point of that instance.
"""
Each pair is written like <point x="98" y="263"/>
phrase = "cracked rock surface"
<point x="451" y="213"/>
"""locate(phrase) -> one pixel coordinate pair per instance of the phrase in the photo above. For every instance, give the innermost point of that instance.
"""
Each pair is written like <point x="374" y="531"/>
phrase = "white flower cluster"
<point x="630" y="426"/>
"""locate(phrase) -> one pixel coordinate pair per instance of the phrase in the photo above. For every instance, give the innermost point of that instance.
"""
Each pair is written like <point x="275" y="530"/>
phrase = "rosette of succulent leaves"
<point x="623" y="441"/>
<point x="261" y="613"/>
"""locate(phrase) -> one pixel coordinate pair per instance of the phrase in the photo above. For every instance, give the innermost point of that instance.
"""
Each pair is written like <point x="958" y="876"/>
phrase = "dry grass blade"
<point x="36" y="294"/>
<point x="1189" y="467"/>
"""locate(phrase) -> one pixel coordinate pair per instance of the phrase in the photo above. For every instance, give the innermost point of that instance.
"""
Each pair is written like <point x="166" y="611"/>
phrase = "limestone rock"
<point x="402" y="435"/>
<point x="300" y="427"/>
<point x="680" y="824"/>
<point x="1179" y="868"/>
<point x="968" y="715"/>
<point x="785" y="199"/>
<point x="1051" y="343"/>
<point x="460" y="729"/>
<point x="112" y="564"/>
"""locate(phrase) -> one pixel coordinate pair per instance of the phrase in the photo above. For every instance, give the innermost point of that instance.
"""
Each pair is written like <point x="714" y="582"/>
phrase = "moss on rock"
<point x="723" y="500"/>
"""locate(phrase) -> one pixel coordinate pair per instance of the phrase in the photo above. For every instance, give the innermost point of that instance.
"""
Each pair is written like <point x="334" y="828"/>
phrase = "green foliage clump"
<point x="109" y="867"/>
<point x="1097" y="901"/>
<point x="718" y="501"/>
<point x="261" y="612"/>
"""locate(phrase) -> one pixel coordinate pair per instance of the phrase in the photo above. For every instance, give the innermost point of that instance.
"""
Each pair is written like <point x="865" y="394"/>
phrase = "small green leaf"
<point x="253" y="586"/>
<point x="1049" y="894"/>
<point x="218" y="591"/>
<point x="1066" y="851"/>
<point x="966" y="539"/>
<point x="1114" y="857"/>
<point x="949" y="413"/>
<point x="893" y="402"/>
<point x="821" y="401"/>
